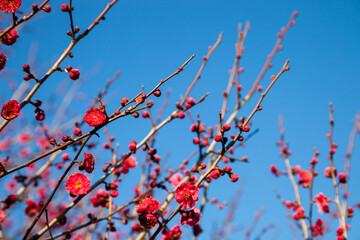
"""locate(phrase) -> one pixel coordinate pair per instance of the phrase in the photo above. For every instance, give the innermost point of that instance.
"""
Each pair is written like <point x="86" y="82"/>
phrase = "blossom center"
<point x="78" y="185"/>
<point x="187" y="195"/>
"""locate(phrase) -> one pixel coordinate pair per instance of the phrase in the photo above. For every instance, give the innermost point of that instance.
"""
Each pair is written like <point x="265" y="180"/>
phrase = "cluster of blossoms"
<point x="322" y="202"/>
<point x="101" y="199"/>
<point x="200" y="129"/>
<point x="190" y="102"/>
<point x="186" y="196"/>
<point x="217" y="172"/>
<point x="306" y="180"/>
<point x="10" y="37"/>
<point x="147" y="209"/>
<point x="11" y="109"/>
<point x="318" y="229"/>
<point x="299" y="212"/>
<point x="129" y="162"/>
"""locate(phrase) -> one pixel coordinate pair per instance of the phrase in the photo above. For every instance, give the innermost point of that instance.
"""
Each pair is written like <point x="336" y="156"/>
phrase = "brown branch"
<point x="46" y="154"/>
<point x="234" y="71"/>
<point x="113" y="153"/>
<point x="297" y="195"/>
<point x="347" y="162"/>
<point x="99" y="219"/>
<point x="23" y="19"/>
<point x="197" y="77"/>
<point x="290" y="174"/>
<point x="276" y="48"/>
<point x="230" y="216"/>
<point x="254" y="223"/>
<point x="215" y="163"/>
<point x="28" y="231"/>
<point x="71" y="20"/>
<point x="36" y="176"/>
<point x="235" y="112"/>
<point x="341" y="216"/>
<point x="72" y="44"/>
<point x="118" y="163"/>
<point x="132" y="108"/>
<point x="47" y="223"/>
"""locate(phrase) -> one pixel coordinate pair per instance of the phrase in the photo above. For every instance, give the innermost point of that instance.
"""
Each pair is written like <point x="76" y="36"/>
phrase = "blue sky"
<point x="148" y="40"/>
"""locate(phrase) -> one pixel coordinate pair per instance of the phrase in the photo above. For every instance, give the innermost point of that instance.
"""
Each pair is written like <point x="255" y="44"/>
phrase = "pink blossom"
<point x="148" y="204"/>
<point x="322" y="203"/>
<point x="23" y="138"/>
<point x="130" y="162"/>
<point x="176" y="179"/>
<point x="2" y="216"/>
<point x="305" y="178"/>
<point x="187" y="195"/>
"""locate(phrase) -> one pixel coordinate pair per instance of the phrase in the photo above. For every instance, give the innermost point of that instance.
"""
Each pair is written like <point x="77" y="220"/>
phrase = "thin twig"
<point x="23" y="19"/>
<point x="28" y="231"/>
<point x="47" y="224"/>
<point x="72" y="44"/>
<point x="213" y="166"/>
<point x="341" y="215"/>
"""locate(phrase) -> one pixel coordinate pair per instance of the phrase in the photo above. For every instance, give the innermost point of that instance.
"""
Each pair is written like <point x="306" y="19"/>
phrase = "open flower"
<point x="78" y="184"/>
<point x="10" y="110"/>
<point x="148" y="205"/>
<point x="95" y="117"/>
<point x="10" y="5"/>
<point x="176" y="179"/>
<point x="187" y="195"/>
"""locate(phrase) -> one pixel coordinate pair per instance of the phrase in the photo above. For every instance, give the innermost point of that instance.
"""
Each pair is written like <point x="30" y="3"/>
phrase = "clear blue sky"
<point x="148" y="40"/>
